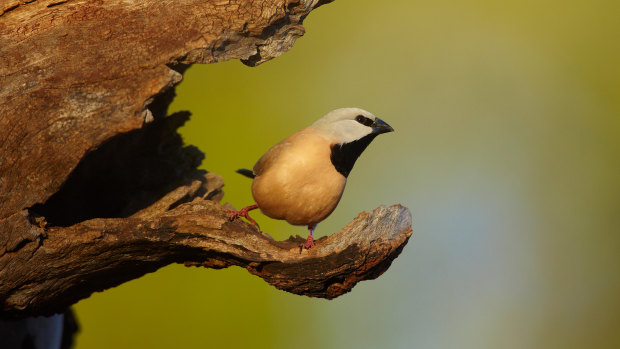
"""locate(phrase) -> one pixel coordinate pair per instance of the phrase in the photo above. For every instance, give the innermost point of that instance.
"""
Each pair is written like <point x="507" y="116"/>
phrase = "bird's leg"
<point x="310" y="240"/>
<point x="244" y="213"/>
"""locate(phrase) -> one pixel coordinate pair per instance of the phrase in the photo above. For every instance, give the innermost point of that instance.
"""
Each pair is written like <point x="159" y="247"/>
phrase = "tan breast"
<point x="296" y="181"/>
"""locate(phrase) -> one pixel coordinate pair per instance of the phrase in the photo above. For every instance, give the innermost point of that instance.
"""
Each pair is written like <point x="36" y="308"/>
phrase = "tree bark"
<point x="96" y="185"/>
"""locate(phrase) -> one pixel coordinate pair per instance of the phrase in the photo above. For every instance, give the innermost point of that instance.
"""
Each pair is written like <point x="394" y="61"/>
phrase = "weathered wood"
<point x="102" y="253"/>
<point x="96" y="186"/>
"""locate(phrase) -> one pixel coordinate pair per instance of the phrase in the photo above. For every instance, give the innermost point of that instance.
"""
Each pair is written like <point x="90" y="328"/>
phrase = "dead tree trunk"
<point x="96" y="186"/>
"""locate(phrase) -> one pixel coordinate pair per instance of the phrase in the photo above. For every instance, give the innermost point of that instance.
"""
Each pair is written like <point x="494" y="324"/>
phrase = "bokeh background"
<point x="506" y="150"/>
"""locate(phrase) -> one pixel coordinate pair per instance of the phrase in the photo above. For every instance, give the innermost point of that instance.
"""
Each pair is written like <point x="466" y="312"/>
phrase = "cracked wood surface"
<point x="102" y="253"/>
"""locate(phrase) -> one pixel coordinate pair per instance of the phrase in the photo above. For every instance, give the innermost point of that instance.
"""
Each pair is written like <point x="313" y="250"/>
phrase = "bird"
<point x="302" y="178"/>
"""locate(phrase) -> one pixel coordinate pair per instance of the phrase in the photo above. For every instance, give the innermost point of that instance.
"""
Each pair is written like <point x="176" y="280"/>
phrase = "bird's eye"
<point x="363" y="120"/>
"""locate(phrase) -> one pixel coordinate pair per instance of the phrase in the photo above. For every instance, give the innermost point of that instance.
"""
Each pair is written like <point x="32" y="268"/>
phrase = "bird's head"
<point x="346" y="125"/>
<point x="350" y="130"/>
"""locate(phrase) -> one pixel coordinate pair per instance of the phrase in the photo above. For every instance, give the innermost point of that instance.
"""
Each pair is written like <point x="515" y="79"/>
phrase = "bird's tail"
<point x="246" y="172"/>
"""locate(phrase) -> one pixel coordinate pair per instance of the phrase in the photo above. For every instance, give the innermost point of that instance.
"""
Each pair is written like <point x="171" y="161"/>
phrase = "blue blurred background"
<point x="506" y="150"/>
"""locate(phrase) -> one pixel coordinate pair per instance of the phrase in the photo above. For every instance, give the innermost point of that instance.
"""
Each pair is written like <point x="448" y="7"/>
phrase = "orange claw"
<point x="309" y="241"/>
<point x="243" y="213"/>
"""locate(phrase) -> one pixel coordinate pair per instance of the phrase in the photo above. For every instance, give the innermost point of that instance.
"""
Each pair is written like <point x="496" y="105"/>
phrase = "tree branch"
<point x="103" y="253"/>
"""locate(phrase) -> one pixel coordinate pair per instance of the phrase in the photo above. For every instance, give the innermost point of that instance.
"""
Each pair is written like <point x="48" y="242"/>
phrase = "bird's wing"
<point x="272" y="155"/>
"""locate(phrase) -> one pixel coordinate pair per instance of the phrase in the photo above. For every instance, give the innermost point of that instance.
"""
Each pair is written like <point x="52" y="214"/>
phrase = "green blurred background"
<point x="506" y="150"/>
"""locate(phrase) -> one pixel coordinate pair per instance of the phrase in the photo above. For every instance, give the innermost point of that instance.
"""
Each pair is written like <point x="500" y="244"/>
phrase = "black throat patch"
<point x="344" y="155"/>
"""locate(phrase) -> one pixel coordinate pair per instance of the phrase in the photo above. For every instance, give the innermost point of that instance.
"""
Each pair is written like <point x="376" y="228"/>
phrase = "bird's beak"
<point x="380" y="126"/>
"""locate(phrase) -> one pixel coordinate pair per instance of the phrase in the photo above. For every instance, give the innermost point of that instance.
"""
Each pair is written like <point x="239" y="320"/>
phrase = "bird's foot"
<point x="243" y="213"/>
<point x="308" y="244"/>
